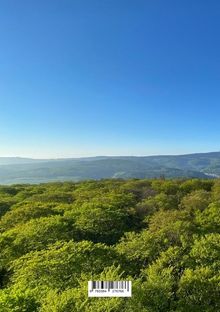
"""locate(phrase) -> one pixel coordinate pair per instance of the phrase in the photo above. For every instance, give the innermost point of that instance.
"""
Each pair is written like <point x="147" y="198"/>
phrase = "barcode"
<point x="109" y="288"/>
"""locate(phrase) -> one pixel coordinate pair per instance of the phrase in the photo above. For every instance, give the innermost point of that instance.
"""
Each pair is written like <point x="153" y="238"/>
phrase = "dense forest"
<point x="163" y="235"/>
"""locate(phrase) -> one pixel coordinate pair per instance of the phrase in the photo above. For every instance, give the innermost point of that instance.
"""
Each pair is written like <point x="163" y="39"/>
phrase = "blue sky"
<point x="116" y="77"/>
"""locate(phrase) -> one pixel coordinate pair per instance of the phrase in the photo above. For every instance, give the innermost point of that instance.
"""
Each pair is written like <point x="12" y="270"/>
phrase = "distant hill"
<point x="16" y="160"/>
<point x="27" y="170"/>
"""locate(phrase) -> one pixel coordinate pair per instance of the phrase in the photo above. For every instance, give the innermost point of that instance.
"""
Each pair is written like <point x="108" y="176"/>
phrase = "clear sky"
<point x="109" y="77"/>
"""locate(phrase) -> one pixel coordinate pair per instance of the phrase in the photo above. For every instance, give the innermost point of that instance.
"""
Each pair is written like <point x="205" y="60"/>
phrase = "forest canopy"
<point x="163" y="235"/>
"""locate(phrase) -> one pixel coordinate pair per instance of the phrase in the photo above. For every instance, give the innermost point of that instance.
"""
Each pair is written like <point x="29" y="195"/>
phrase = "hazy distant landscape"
<point x="26" y="170"/>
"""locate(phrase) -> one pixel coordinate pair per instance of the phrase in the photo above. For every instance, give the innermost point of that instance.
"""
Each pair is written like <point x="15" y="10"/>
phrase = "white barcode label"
<point x="109" y="288"/>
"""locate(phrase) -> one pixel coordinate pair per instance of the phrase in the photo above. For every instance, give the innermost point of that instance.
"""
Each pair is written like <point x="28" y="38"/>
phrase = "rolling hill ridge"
<point x="26" y="170"/>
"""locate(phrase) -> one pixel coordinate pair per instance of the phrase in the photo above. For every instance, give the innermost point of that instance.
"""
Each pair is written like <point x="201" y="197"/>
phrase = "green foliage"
<point x="25" y="211"/>
<point x="168" y="187"/>
<point x="206" y="250"/>
<point x="199" y="290"/>
<point x="35" y="234"/>
<point x="196" y="200"/>
<point x="216" y="191"/>
<point x="103" y="219"/>
<point x="61" y="265"/>
<point x="76" y="299"/>
<point x="209" y="219"/>
<point x="164" y="235"/>
<point x="4" y="206"/>
<point x="189" y="186"/>
<point x="18" y="301"/>
<point x="158" y="289"/>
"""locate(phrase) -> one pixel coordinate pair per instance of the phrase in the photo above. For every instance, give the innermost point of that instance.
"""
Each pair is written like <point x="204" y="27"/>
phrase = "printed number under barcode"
<point x="109" y="288"/>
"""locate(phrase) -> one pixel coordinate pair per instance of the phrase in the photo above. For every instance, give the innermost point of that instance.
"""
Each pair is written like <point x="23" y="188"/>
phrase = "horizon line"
<point x="96" y="156"/>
